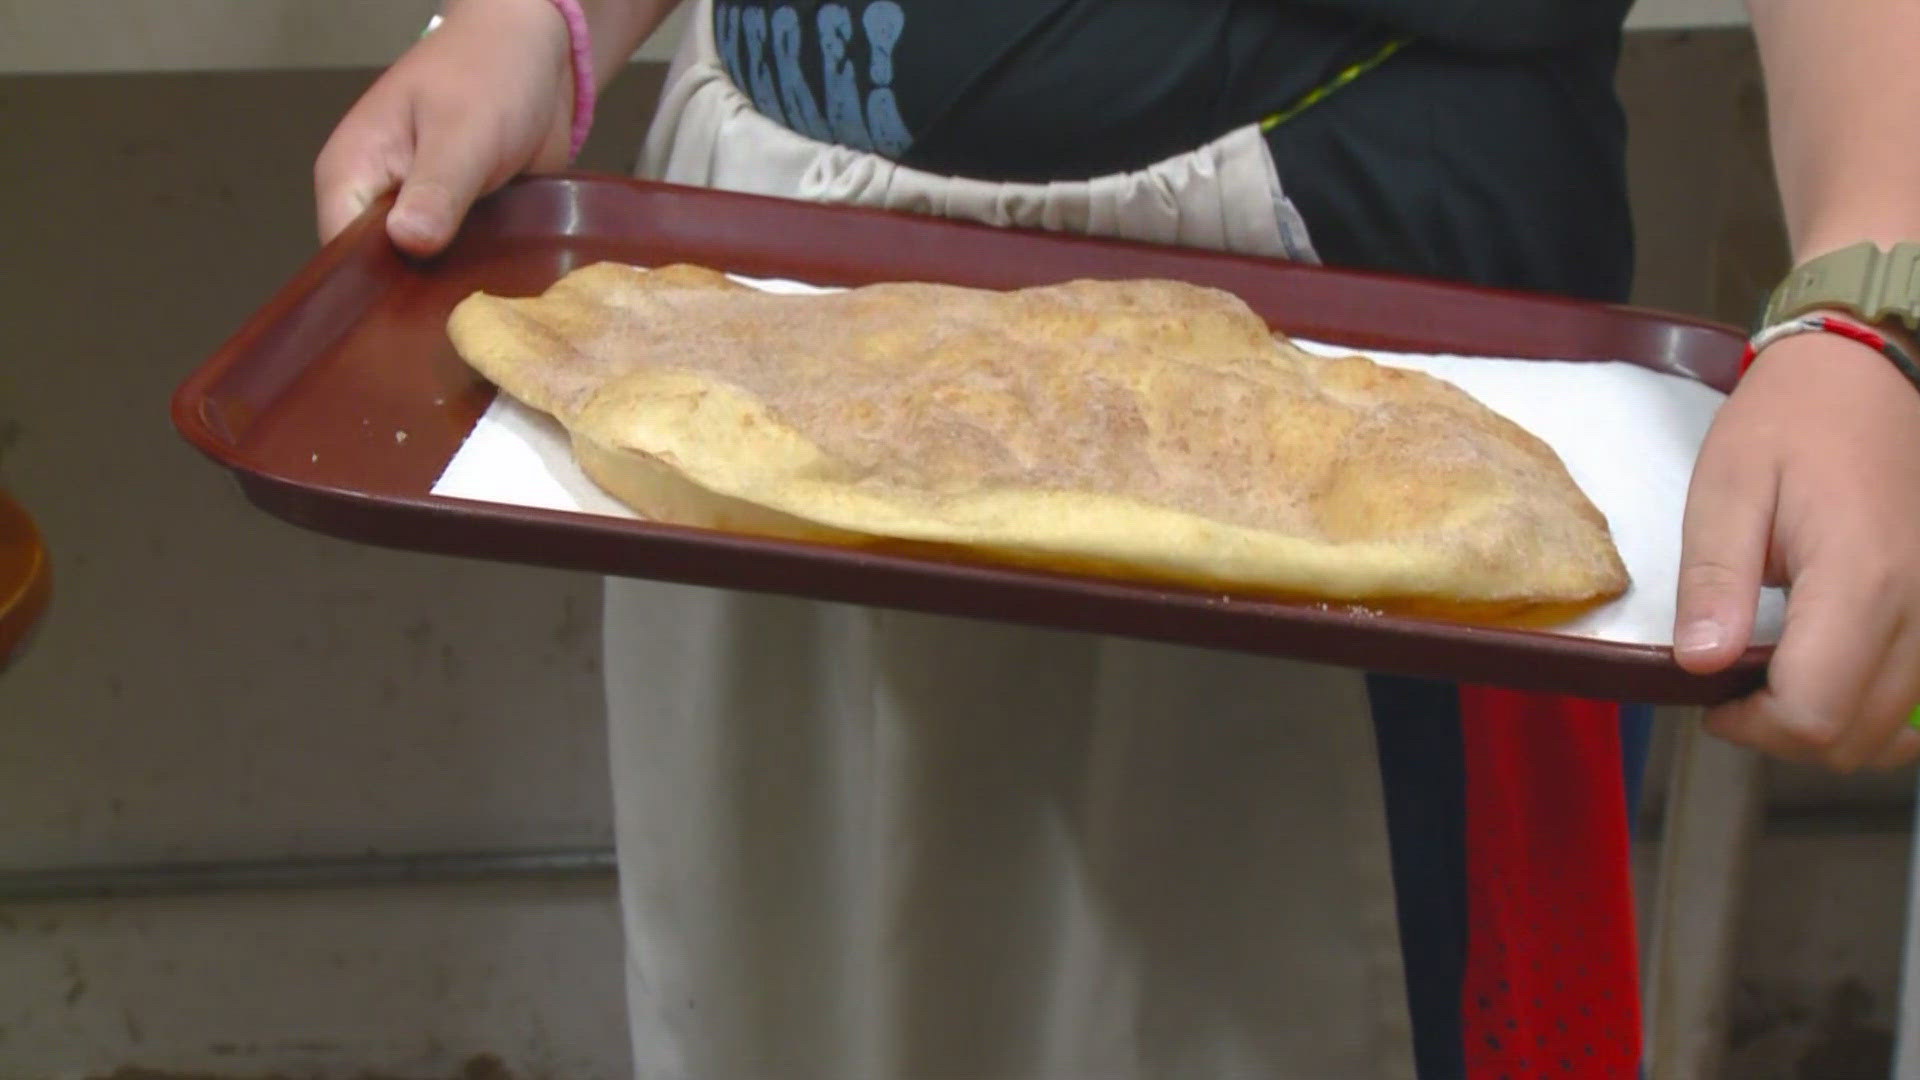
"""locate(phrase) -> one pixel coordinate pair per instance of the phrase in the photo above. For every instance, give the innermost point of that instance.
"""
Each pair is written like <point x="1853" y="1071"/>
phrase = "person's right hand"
<point x="483" y="98"/>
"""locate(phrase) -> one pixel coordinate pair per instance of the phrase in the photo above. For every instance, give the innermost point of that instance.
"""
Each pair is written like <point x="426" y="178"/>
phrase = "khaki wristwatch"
<point x="1874" y="286"/>
<point x="1877" y="288"/>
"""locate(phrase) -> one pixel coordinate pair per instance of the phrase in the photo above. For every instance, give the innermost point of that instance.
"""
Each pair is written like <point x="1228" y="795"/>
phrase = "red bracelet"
<point x="584" y="89"/>
<point x="1827" y="324"/>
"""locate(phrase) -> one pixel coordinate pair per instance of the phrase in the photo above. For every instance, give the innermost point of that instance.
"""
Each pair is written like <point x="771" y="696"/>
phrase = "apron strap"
<point x="1325" y="90"/>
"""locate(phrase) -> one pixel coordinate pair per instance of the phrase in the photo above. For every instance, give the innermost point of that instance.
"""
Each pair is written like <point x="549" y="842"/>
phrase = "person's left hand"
<point x="1810" y="478"/>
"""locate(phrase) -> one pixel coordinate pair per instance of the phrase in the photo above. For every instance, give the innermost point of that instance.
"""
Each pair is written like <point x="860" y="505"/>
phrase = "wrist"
<point x="535" y="22"/>
<point x="522" y="14"/>
<point x="1883" y="233"/>
<point x="1864" y="349"/>
<point x="1832" y="232"/>
<point x="1893" y="330"/>
<point x="560" y="27"/>
<point x="618" y="29"/>
<point x="1873" y="284"/>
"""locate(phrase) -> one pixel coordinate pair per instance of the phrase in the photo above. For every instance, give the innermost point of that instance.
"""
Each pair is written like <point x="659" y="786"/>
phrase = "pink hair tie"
<point x="584" y="92"/>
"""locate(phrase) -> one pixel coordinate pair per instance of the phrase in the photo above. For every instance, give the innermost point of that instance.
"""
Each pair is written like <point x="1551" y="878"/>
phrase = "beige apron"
<point x="866" y="845"/>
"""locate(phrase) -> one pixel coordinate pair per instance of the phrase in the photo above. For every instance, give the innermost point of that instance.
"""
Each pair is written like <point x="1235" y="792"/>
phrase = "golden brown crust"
<point x="1152" y="426"/>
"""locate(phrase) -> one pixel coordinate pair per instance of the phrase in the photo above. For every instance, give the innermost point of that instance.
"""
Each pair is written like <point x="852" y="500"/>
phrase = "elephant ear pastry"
<point x="1150" y="429"/>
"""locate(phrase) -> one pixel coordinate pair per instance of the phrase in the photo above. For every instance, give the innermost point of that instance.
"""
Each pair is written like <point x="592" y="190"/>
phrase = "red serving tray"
<point x="303" y="403"/>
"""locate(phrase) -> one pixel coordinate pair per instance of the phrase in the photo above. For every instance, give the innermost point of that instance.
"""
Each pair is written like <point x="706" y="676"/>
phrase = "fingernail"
<point x="411" y="222"/>
<point x="1700" y="635"/>
<point x="414" y="235"/>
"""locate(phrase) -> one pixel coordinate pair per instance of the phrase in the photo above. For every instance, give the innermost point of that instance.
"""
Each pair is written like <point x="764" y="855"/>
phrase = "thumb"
<point x="453" y="162"/>
<point x="340" y="206"/>
<point x="1723" y="556"/>
<point x="363" y="160"/>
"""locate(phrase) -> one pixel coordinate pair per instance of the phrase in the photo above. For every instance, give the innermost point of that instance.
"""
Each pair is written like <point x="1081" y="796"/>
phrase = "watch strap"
<point x="1872" y="284"/>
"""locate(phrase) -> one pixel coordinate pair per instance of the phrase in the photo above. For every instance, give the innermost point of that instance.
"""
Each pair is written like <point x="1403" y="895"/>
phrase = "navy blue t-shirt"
<point x="1490" y="150"/>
